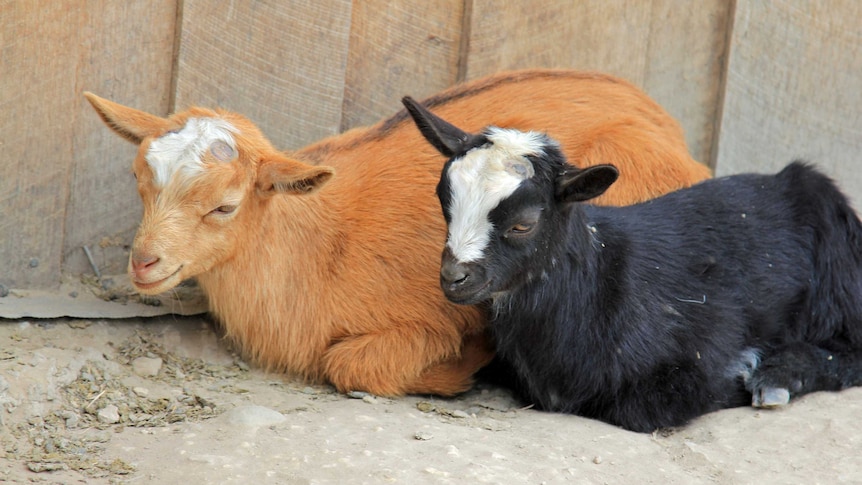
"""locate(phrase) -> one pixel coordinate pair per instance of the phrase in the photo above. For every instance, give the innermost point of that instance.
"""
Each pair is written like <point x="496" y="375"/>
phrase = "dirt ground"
<point x="164" y="400"/>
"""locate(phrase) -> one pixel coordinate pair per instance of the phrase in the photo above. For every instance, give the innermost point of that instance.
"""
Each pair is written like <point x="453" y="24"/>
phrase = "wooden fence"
<point x="755" y="83"/>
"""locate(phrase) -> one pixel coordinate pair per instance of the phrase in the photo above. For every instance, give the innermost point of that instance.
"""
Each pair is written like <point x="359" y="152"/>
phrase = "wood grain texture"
<point x="57" y="183"/>
<point x="35" y="145"/>
<point x="671" y="48"/>
<point x="794" y="89"/>
<point x="307" y="69"/>
<point x="685" y="66"/>
<point x="281" y="64"/>
<point x="396" y="49"/>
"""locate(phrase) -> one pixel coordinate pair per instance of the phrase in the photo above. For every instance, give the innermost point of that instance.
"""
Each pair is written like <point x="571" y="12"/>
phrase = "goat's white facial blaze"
<point x="180" y="152"/>
<point x="482" y="178"/>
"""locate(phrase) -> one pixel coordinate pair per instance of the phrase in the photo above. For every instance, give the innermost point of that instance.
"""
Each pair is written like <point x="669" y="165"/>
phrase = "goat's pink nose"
<point x="142" y="263"/>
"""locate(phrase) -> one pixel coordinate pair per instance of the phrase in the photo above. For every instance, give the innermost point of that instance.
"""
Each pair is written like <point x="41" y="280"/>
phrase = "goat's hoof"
<point x="770" y="397"/>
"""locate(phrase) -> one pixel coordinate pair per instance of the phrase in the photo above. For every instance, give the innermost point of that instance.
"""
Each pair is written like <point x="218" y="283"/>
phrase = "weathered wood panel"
<point x="307" y="69"/>
<point x="125" y="54"/>
<point x="399" y="48"/>
<point x="55" y="182"/>
<point x="684" y="71"/>
<point x="794" y="89"/>
<point x="671" y="48"/>
<point x="35" y="100"/>
<point x="281" y="64"/>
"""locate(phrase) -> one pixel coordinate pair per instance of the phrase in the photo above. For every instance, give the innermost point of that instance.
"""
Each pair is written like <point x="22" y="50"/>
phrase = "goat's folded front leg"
<point x="406" y="360"/>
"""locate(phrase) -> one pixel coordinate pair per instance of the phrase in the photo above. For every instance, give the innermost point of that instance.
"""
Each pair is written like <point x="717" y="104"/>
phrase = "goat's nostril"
<point x="454" y="274"/>
<point x="143" y="261"/>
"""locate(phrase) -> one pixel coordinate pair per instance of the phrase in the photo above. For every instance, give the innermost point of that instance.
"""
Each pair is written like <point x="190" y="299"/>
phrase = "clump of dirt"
<point x="176" y="369"/>
<point x="97" y="404"/>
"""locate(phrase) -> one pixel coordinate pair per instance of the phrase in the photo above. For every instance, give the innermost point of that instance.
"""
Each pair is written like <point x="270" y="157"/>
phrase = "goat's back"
<point x="744" y="250"/>
<point x="596" y="118"/>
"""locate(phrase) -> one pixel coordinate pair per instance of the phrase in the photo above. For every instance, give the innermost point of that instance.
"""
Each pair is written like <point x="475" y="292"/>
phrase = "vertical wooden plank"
<point x="399" y="48"/>
<point x="35" y="146"/>
<point x="794" y="89"/>
<point x="125" y="54"/>
<point x="687" y="48"/>
<point x="282" y="64"/>
<point x="590" y="35"/>
<point x="58" y="185"/>
<point x="670" y="48"/>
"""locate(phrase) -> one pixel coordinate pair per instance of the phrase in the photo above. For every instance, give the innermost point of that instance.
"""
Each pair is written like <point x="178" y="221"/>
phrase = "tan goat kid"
<point x="323" y="263"/>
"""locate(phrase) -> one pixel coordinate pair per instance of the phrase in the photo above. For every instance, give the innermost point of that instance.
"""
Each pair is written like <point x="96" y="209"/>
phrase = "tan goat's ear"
<point x="279" y="174"/>
<point x="129" y="123"/>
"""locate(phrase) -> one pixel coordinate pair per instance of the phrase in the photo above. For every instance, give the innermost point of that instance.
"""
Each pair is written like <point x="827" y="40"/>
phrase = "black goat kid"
<point x="743" y="289"/>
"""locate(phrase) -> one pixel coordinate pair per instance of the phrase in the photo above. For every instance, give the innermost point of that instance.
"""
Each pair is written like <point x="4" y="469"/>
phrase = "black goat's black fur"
<point x="651" y="315"/>
<point x="654" y="314"/>
<point x="742" y="289"/>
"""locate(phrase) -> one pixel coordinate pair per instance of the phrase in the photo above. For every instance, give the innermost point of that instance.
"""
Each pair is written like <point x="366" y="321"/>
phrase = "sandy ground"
<point x="165" y="401"/>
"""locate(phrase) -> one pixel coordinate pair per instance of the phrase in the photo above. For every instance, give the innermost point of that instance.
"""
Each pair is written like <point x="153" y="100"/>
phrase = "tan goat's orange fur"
<point x="335" y="277"/>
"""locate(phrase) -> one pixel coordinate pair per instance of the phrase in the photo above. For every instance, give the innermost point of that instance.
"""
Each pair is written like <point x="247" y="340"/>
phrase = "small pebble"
<point x="70" y="417"/>
<point x="459" y="414"/>
<point x="141" y="391"/>
<point x="597" y="460"/>
<point x="4" y="292"/>
<point x="369" y="399"/>
<point x="109" y="414"/>
<point x="422" y="436"/>
<point x="39" y="467"/>
<point x="146" y="366"/>
<point x="357" y="394"/>
<point x="425" y="407"/>
<point x="308" y="390"/>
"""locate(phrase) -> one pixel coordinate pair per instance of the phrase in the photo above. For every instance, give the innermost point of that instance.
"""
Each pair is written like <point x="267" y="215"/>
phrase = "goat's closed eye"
<point x="521" y="229"/>
<point x="224" y="210"/>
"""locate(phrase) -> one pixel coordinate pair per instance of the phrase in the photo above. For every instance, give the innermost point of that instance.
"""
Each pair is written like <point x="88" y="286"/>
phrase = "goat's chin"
<point x="470" y="297"/>
<point x="159" y="286"/>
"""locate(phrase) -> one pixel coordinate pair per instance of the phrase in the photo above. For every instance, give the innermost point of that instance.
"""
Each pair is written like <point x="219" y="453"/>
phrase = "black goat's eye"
<point x="521" y="229"/>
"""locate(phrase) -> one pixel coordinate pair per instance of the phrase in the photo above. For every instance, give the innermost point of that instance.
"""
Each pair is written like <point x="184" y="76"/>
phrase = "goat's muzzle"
<point x="150" y="274"/>
<point x="463" y="283"/>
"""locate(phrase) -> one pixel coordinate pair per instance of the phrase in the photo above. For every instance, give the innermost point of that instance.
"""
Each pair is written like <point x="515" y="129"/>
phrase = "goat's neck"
<point x="286" y="247"/>
<point x="268" y="294"/>
<point x="572" y="281"/>
<point x="563" y="311"/>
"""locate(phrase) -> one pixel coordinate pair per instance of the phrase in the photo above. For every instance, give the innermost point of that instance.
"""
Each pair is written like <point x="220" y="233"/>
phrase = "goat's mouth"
<point x="469" y="296"/>
<point x="158" y="286"/>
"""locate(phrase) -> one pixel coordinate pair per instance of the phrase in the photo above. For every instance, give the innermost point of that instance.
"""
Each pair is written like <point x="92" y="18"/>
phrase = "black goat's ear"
<point x="447" y="138"/>
<point x="578" y="185"/>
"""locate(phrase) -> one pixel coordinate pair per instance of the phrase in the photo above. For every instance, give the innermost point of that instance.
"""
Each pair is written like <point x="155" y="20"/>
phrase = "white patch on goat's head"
<point x="480" y="180"/>
<point x="181" y="151"/>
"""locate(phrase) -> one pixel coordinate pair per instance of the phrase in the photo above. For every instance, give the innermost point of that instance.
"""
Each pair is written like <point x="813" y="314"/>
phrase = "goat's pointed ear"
<point x="129" y="123"/>
<point x="280" y="174"/>
<point x="447" y="138"/>
<point x="578" y="185"/>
